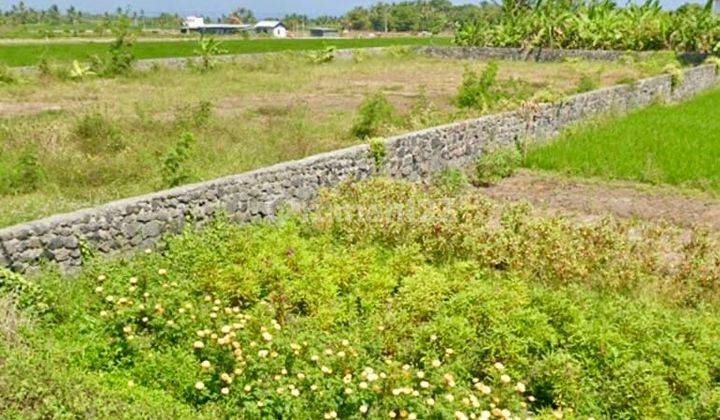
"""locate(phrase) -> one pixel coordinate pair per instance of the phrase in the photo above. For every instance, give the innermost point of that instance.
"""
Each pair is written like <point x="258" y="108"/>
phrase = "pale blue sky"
<point x="263" y="8"/>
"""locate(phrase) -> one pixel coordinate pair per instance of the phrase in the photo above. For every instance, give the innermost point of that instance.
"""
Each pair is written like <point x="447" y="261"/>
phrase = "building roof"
<point x="325" y="29"/>
<point x="269" y="24"/>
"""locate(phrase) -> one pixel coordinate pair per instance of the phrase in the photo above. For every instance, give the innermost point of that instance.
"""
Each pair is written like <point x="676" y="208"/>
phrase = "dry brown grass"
<point x="265" y="111"/>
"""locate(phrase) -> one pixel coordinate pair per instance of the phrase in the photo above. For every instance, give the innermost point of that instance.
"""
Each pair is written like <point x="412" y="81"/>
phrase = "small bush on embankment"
<point x="390" y="300"/>
<point x="664" y="144"/>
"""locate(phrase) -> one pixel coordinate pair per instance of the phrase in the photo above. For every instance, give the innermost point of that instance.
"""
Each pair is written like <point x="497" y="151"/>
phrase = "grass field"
<point x="31" y="54"/>
<point x="484" y="312"/>
<point x="663" y="144"/>
<point x="67" y="145"/>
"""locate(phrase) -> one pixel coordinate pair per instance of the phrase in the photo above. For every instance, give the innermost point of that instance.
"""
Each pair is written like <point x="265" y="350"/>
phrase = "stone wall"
<point x="140" y="222"/>
<point x="542" y="54"/>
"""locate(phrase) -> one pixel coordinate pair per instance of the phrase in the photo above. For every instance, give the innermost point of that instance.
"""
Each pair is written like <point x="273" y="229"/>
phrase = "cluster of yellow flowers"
<point x="244" y="354"/>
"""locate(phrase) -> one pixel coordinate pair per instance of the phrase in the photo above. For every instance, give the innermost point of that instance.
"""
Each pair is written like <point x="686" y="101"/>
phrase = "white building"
<point x="271" y="27"/>
<point x="197" y="24"/>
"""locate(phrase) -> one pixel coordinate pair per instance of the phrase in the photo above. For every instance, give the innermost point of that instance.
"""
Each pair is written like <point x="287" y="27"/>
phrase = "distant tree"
<point x="296" y="21"/>
<point x="244" y="15"/>
<point x="358" y="19"/>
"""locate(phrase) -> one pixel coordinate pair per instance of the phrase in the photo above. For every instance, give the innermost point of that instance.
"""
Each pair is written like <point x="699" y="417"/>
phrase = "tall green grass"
<point x="663" y="144"/>
<point x="31" y="54"/>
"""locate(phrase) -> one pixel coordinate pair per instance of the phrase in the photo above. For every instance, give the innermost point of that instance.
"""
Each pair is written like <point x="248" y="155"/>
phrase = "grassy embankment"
<point x="664" y="144"/>
<point x="31" y="54"/>
<point x="114" y="138"/>
<point x="416" y="308"/>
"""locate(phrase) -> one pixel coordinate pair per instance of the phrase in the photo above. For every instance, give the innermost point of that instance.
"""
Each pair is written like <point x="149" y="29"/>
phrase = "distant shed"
<point x="324" y="32"/>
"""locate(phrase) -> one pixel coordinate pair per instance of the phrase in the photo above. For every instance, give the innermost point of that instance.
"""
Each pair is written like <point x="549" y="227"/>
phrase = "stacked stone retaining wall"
<point x="140" y="222"/>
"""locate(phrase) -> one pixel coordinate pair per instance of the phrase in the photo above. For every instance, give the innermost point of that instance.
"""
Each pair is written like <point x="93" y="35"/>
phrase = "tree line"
<point x="406" y="16"/>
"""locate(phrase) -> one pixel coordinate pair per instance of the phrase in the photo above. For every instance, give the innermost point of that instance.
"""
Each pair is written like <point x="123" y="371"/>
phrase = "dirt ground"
<point x="590" y="199"/>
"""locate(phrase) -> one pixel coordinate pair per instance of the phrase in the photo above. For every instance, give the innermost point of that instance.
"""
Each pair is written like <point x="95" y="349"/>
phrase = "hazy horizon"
<point x="262" y="8"/>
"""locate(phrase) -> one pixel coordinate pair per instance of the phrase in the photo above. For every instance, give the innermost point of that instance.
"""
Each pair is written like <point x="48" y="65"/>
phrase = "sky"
<point x="262" y="8"/>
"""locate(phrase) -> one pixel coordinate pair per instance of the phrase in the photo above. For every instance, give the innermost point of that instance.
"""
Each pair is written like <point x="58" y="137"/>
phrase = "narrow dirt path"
<point x="622" y="199"/>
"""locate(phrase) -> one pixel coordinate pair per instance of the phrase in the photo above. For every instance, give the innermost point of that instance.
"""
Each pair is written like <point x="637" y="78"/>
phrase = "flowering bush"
<point x="391" y="300"/>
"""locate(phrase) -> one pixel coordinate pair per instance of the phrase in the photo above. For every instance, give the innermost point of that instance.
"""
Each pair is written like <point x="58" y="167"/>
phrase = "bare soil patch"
<point x="621" y="199"/>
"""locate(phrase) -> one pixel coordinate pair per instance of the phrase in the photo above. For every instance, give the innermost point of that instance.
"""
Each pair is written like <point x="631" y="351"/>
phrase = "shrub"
<point x="374" y="114"/>
<point x="24" y="175"/>
<point x="24" y="293"/>
<point x="377" y="151"/>
<point x="208" y="49"/>
<point x="391" y="299"/>
<point x="676" y="75"/>
<point x="7" y="76"/>
<point x="323" y="56"/>
<point x="450" y="181"/>
<point x="477" y="91"/>
<point x="587" y="83"/>
<point x="95" y="134"/>
<point x="120" y="59"/>
<point x="174" y="172"/>
<point x="495" y="165"/>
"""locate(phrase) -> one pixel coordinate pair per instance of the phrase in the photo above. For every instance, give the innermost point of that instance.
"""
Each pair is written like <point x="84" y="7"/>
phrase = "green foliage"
<point x="7" y="76"/>
<point x="23" y="174"/>
<point x="65" y="52"/>
<point x="389" y="295"/>
<point x="676" y="75"/>
<point x="479" y="91"/>
<point x="50" y="69"/>
<point x="120" y="59"/>
<point x="95" y="134"/>
<point x="323" y="56"/>
<point x="595" y="25"/>
<point x="24" y="293"/>
<point x="450" y="181"/>
<point x="375" y="113"/>
<point x="207" y="50"/>
<point x="629" y="147"/>
<point x="494" y="165"/>
<point x="80" y="71"/>
<point x="174" y="170"/>
<point x="377" y="151"/>
<point x="195" y="116"/>
<point x="587" y="83"/>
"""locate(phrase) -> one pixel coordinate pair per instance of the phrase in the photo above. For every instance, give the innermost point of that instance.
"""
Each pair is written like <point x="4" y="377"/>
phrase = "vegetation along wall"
<point x="138" y="223"/>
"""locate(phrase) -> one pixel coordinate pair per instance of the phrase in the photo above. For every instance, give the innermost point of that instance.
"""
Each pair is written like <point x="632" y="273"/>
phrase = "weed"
<point x="626" y="80"/>
<point x="377" y="151"/>
<point x="326" y="55"/>
<point x="423" y="113"/>
<point x="197" y="115"/>
<point x="24" y="175"/>
<point x="7" y="76"/>
<point x="95" y="134"/>
<point x="477" y="91"/>
<point x="375" y="113"/>
<point x="494" y="165"/>
<point x="174" y="171"/>
<point x="587" y="83"/>
<point x="450" y="181"/>
<point x="715" y="60"/>
<point x="24" y="293"/>
<point x="676" y="75"/>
